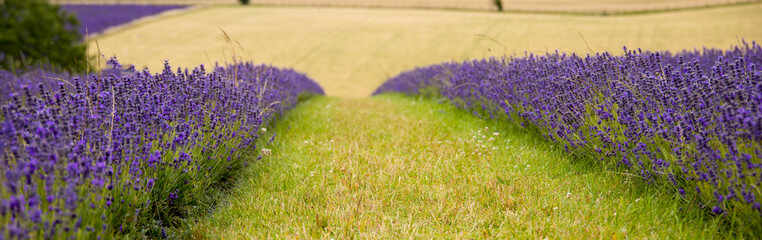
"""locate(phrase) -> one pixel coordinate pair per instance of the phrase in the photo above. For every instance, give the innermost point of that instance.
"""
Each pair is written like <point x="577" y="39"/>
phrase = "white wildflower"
<point x="266" y="151"/>
<point x="264" y="129"/>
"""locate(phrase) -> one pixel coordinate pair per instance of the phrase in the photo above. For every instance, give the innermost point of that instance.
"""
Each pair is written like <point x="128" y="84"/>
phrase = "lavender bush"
<point x="13" y="81"/>
<point x="692" y="120"/>
<point x="112" y="155"/>
<point x="97" y="18"/>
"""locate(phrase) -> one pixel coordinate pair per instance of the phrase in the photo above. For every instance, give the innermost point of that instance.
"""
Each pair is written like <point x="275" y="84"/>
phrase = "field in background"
<point x="578" y="6"/>
<point x="191" y="2"/>
<point x="350" y="52"/>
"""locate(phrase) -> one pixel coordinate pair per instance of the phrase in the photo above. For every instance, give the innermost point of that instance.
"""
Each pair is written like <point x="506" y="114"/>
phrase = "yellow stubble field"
<point x="577" y="6"/>
<point x="351" y="51"/>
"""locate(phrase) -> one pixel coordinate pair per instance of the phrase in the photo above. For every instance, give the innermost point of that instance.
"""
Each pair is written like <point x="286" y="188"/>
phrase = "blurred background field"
<point x="101" y="18"/>
<point x="576" y="6"/>
<point x="352" y="51"/>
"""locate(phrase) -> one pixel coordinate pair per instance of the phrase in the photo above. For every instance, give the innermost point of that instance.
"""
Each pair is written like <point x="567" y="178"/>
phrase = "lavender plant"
<point x="112" y="155"/>
<point x="691" y="120"/>
<point x="31" y="77"/>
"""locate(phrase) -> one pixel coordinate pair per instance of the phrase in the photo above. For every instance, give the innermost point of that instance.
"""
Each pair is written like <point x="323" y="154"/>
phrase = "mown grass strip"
<point x="393" y="166"/>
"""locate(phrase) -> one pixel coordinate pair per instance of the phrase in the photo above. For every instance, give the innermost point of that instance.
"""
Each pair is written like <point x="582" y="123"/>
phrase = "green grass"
<point x="395" y="167"/>
<point x="351" y="52"/>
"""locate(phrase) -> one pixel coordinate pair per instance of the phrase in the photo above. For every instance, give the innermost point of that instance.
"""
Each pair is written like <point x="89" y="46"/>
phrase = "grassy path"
<point x="398" y="167"/>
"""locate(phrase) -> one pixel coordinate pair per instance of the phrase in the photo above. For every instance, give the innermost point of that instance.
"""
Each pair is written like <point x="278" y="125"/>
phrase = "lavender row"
<point x="692" y="120"/>
<point x="110" y="155"/>
<point x="97" y="18"/>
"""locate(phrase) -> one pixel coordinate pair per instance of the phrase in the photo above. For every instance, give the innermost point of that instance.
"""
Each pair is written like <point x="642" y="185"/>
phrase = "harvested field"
<point x="350" y="52"/>
<point x="572" y="6"/>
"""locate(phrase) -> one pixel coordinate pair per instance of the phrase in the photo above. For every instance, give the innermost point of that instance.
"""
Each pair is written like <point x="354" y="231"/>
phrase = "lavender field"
<point x="94" y="19"/>
<point x="107" y="154"/>
<point x="648" y="143"/>
<point x="691" y="120"/>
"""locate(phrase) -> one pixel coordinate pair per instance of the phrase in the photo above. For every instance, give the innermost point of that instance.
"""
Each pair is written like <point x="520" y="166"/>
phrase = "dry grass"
<point x="611" y="6"/>
<point x="352" y="51"/>
<point x="392" y="167"/>
<point x="579" y="6"/>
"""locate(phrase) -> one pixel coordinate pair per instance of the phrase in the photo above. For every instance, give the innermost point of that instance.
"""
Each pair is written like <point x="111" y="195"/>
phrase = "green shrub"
<point x="244" y="2"/>
<point x="34" y="32"/>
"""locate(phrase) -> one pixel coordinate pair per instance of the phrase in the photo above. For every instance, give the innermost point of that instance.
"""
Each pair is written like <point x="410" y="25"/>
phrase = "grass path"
<point x="398" y="167"/>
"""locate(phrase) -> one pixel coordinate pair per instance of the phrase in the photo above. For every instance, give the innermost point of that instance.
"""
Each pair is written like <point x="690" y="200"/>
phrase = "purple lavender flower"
<point x="692" y="119"/>
<point x="717" y="210"/>
<point x="100" y="144"/>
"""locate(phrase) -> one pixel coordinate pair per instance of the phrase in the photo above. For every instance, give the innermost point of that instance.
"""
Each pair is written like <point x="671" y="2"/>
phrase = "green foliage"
<point x="498" y="4"/>
<point x="34" y="32"/>
<point x="244" y="2"/>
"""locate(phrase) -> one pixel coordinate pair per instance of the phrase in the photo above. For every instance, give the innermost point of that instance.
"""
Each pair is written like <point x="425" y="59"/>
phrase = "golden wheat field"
<point x="350" y="52"/>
